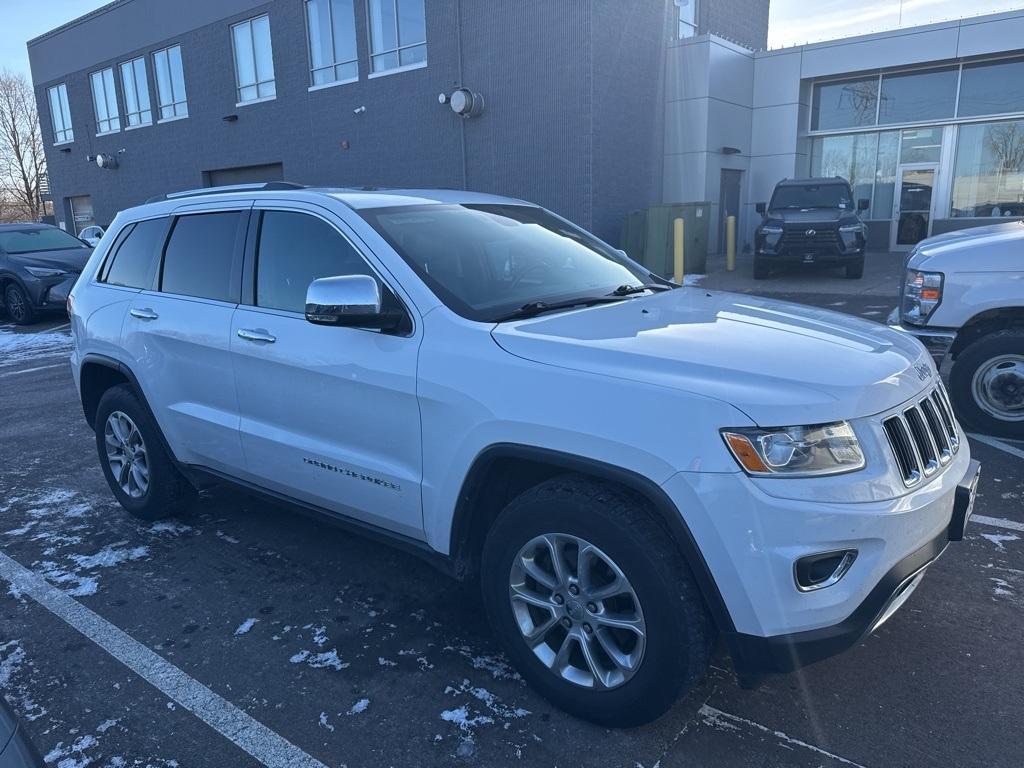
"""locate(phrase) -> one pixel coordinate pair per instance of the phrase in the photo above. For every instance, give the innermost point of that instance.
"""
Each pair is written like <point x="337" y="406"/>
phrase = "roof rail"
<point x="263" y="186"/>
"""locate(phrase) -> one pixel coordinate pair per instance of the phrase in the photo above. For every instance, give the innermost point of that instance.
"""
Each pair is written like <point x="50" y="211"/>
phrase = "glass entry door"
<point x="912" y="217"/>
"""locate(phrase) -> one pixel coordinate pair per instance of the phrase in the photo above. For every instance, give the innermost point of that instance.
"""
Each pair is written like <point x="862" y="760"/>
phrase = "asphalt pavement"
<point x="244" y="632"/>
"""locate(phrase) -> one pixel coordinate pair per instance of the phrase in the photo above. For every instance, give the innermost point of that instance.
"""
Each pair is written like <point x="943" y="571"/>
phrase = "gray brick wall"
<point x="741" y="21"/>
<point x="572" y="118"/>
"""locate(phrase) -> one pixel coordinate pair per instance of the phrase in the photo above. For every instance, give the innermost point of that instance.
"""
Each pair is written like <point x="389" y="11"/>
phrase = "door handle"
<point x="143" y="314"/>
<point x="256" y="335"/>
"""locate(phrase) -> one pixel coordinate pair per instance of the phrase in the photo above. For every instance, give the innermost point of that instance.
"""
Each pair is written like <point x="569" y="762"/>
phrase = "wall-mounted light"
<point x="464" y="102"/>
<point x="230" y="118"/>
<point x="730" y="150"/>
<point x="66" y="150"/>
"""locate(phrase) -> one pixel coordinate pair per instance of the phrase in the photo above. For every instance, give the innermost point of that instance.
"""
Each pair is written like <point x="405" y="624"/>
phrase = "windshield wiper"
<point x="535" y="308"/>
<point x="626" y="290"/>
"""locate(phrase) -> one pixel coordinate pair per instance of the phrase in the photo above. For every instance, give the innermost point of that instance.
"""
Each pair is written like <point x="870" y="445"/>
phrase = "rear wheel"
<point x="761" y="269"/>
<point x="135" y="464"/>
<point x="855" y="269"/>
<point x="593" y="603"/>
<point x="18" y="306"/>
<point x="987" y="383"/>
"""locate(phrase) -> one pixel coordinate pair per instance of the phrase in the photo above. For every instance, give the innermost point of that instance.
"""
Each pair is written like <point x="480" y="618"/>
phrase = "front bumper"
<point x="937" y="341"/>
<point x="750" y="542"/>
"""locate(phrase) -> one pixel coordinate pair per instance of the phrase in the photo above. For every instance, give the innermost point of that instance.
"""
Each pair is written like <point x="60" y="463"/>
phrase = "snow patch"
<point x="245" y="626"/>
<point x="999" y="538"/>
<point x="320" y="660"/>
<point x="324" y="723"/>
<point x="693" y="280"/>
<point x="18" y="348"/>
<point x="359" y="707"/>
<point x="386" y="662"/>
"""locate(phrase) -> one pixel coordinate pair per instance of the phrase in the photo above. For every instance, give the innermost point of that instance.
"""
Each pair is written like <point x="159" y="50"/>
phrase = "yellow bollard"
<point x="730" y="243"/>
<point x="677" y="249"/>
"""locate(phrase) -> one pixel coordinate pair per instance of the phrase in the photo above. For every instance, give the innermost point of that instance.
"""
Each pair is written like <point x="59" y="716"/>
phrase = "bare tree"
<point x="1006" y="141"/>
<point x="22" y="163"/>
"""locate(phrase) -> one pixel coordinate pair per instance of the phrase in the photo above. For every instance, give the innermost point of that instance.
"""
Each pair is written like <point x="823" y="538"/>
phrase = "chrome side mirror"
<point x="352" y="301"/>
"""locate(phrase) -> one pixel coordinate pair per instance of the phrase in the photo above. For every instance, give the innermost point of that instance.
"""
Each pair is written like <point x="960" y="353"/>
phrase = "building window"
<point x="135" y="86"/>
<point x="867" y="160"/>
<point x="254" y="60"/>
<point x="398" y="34"/>
<point x="914" y="97"/>
<point x="845" y="104"/>
<point x="992" y="88"/>
<point x="332" y="41"/>
<point x="988" y="175"/>
<point x="104" y="99"/>
<point x="170" y="83"/>
<point x="687" y="18"/>
<point x="60" y="114"/>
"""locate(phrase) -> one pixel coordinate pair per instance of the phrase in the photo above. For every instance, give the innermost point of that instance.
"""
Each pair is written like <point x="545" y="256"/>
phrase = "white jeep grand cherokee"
<point x="630" y="468"/>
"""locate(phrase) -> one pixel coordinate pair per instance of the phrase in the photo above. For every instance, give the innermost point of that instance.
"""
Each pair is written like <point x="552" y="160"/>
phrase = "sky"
<point x="792" y="21"/>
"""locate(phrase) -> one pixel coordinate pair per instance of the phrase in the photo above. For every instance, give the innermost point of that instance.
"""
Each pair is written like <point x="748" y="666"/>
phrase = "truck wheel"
<point x="593" y="603"/>
<point x="138" y="470"/>
<point x="987" y="383"/>
<point x="761" y="269"/>
<point x="19" y="308"/>
<point x="855" y="269"/>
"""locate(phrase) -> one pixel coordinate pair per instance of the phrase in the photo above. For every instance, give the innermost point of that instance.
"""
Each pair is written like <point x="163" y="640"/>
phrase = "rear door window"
<point x="134" y="261"/>
<point x="201" y="256"/>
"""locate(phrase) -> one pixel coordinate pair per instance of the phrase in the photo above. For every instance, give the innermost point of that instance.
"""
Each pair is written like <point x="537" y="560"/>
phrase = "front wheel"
<point x="135" y="464"/>
<point x="19" y="308"/>
<point x="855" y="269"/>
<point x="593" y="603"/>
<point x="761" y="269"/>
<point x="987" y="383"/>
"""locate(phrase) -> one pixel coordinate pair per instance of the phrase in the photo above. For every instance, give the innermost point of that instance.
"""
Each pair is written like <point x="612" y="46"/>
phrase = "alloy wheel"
<point x="126" y="454"/>
<point x="577" y="611"/>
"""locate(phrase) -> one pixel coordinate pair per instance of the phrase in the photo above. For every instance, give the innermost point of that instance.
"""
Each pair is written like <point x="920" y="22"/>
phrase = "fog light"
<point x="822" y="570"/>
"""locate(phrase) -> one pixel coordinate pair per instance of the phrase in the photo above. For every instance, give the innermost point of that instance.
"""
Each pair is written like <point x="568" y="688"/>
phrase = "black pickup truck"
<point x="811" y="221"/>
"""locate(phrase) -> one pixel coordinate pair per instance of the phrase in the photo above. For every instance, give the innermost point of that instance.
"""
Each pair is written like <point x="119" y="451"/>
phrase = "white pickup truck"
<point x="963" y="297"/>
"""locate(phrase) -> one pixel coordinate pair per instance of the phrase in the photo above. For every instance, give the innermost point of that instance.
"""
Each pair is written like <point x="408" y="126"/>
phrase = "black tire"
<point x="972" y="359"/>
<point x="168" y="491"/>
<point x="855" y="269"/>
<point x="761" y="269"/>
<point x="19" y="308"/>
<point x="679" y="631"/>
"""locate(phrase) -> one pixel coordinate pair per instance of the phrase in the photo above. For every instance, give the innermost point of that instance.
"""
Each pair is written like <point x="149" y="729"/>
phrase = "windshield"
<point x="36" y="239"/>
<point x="812" y="196"/>
<point x="483" y="261"/>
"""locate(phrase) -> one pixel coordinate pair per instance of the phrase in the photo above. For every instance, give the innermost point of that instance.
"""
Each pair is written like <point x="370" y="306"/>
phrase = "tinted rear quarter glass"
<point x="200" y="256"/>
<point x="134" y="262"/>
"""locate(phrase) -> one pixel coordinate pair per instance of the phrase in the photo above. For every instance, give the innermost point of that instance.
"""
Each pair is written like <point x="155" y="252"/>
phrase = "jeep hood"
<point x="780" y="363"/>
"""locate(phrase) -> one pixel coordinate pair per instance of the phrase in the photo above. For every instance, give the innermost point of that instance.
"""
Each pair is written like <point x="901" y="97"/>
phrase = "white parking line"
<point x="30" y="370"/>
<point x="998" y="522"/>
<point x="999" y="444"/>
<point x="714" y="716"/>
<point x="267" y="746"/>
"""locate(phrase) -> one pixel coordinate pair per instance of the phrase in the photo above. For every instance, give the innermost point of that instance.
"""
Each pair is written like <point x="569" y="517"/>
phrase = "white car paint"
<point x="644" y="385"/>
<point x="983" y="270"/>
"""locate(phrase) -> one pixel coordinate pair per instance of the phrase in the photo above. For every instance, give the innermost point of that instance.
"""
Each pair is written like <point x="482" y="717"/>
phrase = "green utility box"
<point x="647" y="237"/>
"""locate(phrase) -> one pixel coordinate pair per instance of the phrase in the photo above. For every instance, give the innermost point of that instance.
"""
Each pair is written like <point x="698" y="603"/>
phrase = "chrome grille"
<point x="924" y="436"/>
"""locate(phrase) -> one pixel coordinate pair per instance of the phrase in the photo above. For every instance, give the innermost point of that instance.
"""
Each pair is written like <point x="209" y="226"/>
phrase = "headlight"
<point x="771" y="229"/>
<point x="824" y="449"/>
<point x="852" y="229"/>
<point x="922" y="293"/>
<point x="44" y="272"/>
